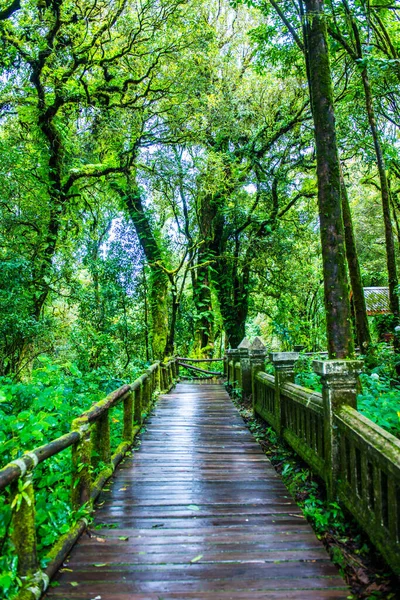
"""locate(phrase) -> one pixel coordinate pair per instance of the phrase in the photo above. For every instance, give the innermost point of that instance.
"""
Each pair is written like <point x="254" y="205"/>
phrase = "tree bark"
<point x="336" y="292"/>
<point x="385" y="197"/>
<point x="360" y="309"/>
<point x="158" y="279"/>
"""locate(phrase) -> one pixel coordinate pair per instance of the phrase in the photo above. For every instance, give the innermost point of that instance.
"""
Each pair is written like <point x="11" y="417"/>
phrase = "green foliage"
<point x="304" y="373"/>
<point x="33" y="413"/>
<point x="380" y="402"/>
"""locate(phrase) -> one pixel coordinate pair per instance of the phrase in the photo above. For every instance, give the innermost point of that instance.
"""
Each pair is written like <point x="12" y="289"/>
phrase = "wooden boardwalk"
<point x="198" y="513"/>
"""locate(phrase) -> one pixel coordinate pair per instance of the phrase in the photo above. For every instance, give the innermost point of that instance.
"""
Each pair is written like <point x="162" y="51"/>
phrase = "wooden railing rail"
<point x="183" y="362"/>
<point x="357" y="459"/>
<point x="198" y="360"/>
<point x="90" y="442"/>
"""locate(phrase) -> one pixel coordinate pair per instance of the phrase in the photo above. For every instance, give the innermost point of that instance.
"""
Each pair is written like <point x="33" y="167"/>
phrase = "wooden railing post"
<point x="137" y="409"/>
<point x="257" y="354"/>
<point x="162" y="382"/>
<point x="284" y="363"/>
<point x="146" y="393"/>
<point x="339" y="387"/>
<point x="245" y="367"/>
<point x="81" y="464"/>
<point x="127" y="433"/>
<point x="100" y="438"/>
<point x="175" y="367"/>
<point x="158" y="378"/>
<point x="229" y="375"/>
<point x="23" y="527"/>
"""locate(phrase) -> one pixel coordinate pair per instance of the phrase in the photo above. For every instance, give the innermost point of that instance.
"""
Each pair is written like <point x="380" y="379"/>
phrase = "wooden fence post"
<point x="162" y="383"/>
<point x="229" y="375"/>
<point x="137" y="410"/>
<point x="339" y="387"/>
<point x="157" y="381"/>
<point x="284" y="372"/>
<point x="23" y="526"/>
<point x="257" y="355"/>
<point x="81" y="464"/>
<point x="100" y="438"/>
<point x="245" y="367"/>
<point x="127" y="433"/>
<point x="146" y="393"/>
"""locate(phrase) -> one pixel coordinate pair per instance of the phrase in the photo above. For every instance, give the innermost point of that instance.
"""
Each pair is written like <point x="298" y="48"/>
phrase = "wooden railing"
<point x="358" y="460"/>
<point x="89" y="440"/>
<point x="205" y="373"/>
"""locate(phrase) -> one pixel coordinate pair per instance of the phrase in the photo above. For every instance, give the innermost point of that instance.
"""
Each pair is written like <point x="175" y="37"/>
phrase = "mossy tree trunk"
<point x="158" y="279"/>
<point x="385" y="198"/>
<point x="360" y="309"/>
<point x="356" y="53"/>
<point x="336" y="291"/>
<point x="232" y="286"/>
<point x="204" y="318"/>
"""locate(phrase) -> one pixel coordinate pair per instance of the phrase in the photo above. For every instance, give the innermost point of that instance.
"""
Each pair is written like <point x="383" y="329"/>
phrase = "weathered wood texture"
<point x="198" y="513"/>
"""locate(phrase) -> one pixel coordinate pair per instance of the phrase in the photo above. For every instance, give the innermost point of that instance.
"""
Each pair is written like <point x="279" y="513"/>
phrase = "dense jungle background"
<point x="158" y="196"/>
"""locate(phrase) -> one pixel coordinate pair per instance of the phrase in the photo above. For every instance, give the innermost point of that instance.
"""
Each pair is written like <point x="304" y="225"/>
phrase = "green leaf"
<point x="197" y="558"/>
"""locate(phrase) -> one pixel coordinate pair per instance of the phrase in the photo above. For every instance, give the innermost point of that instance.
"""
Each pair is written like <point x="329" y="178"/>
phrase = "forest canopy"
<point x="159" y="177"/>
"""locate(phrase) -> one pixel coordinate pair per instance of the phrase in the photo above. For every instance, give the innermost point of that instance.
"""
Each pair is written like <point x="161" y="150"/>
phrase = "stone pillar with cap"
<point x="284" y="363"/>
<point x="339" y="387"/>
<point x="229" y="369"/>
<point x="257" y="354"/>
<point x="245" y="367"/>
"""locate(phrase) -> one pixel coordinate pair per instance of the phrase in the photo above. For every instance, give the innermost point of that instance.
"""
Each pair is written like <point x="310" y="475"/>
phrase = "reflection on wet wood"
<point x="198" y="512"/>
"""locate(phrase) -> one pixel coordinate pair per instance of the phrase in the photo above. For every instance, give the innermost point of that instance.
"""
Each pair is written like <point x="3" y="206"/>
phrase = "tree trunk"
<point x="360" y="309"/>
<point x="233" y="297"/>
<point x="158" y="279"/>
<point x="336" y="292"/>
<point x="204" y="318"/>
<point x="385" y="196"/>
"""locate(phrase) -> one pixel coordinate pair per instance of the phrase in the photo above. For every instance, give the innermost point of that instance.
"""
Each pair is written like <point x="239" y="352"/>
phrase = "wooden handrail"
<point x="200" y="360"/>
<point x="182" y="364"/>
<point x="90" y="429"/>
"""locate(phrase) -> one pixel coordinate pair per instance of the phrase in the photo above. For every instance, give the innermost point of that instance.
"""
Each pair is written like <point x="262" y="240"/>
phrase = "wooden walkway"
<point x="198" y="513"/>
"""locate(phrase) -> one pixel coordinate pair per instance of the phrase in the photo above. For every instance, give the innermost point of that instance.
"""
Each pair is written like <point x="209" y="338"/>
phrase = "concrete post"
<point x="245" y="367"/>
<point x="233" y="356"/>
<point x="339" y="387"/>
<point x="284" y="372"/>
<point x="257" y="354"/>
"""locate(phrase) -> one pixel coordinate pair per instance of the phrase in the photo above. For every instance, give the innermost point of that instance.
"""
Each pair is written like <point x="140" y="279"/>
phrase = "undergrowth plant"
<point x="33" y="413"/>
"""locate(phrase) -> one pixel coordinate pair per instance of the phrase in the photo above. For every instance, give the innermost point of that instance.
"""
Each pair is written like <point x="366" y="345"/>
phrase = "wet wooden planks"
<point x="198" y="513"/>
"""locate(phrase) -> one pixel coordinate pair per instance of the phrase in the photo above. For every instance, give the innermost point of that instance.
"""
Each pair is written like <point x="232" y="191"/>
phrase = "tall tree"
<point x="339" y="334"/>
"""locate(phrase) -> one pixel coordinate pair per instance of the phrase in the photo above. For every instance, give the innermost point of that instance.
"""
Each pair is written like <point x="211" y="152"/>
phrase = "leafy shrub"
<point x="33" y="413"/>
<point x="304" y="374"/>
<point x="380" y="402"/>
